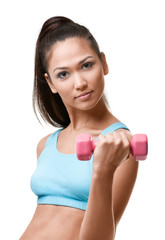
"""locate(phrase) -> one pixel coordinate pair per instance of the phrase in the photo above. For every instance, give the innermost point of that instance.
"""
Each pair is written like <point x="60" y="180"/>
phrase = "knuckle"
<point x="123" y="134"/>
<point x="100" y="137"/>
<point x="108" y="134"/>
<point x="126" y="144"/>
<point x="117" y="141"/>
<point x="108" y="137"/>
<point x="126" y="134"/>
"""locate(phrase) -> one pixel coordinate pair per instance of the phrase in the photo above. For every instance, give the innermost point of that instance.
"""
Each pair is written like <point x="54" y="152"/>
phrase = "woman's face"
<point x="74" y="69"/>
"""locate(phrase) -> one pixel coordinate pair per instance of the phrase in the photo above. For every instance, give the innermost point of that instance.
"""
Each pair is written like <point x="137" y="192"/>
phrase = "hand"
<point x="111" y="151"/>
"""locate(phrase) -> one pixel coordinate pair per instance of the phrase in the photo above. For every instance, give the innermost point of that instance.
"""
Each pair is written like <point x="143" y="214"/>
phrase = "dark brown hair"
<point x="50" y="105"/>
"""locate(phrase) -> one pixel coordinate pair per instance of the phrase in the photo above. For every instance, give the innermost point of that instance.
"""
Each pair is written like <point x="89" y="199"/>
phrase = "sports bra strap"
<point x="114" y="127"/>
<point x="111" y="129"/>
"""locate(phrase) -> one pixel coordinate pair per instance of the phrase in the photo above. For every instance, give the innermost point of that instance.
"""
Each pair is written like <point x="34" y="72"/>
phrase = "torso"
<point x="52" y="222"/>
<point x="66" y="140"/>
<point x="59" y="222"/>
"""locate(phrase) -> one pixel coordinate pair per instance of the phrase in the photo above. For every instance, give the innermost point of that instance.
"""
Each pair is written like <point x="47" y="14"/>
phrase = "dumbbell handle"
<point x="138" y="146"/>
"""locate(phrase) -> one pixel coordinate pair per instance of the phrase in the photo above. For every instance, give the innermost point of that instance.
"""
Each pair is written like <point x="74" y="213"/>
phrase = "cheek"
<point x="99" y="77"/>
<point x="65" y="92"/>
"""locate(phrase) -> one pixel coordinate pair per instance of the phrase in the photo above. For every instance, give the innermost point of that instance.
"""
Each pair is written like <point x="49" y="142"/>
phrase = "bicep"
<point x="124" y="180"/>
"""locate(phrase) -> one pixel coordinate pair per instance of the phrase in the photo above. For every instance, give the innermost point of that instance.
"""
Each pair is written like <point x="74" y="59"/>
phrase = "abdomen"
<point x="54" y="222"/>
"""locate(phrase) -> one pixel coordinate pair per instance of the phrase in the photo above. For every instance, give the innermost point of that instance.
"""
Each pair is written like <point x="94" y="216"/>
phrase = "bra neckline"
<point x="74" y="154"/>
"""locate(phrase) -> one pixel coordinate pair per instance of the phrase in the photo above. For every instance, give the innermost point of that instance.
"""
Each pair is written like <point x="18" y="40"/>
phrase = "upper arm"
<point x="124" y="180"/>
<point x="41" y="145"/>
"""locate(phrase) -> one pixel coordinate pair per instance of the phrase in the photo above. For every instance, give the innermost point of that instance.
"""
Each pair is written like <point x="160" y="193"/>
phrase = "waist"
<point x="54" y="222"/>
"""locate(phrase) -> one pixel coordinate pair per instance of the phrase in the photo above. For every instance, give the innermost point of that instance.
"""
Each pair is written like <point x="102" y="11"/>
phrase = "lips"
<point x="83" y="94"/>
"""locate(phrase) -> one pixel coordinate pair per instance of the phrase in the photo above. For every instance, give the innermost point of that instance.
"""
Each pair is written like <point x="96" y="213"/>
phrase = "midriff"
<point x="52" y="222"/>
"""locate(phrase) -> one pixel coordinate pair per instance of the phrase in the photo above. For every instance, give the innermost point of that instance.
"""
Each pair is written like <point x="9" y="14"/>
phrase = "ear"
<point x="105" y="65"/>
<point x="53" y="89"/>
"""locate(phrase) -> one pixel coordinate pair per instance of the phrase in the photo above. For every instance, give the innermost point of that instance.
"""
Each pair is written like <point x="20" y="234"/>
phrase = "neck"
<point x="91" y="119"/>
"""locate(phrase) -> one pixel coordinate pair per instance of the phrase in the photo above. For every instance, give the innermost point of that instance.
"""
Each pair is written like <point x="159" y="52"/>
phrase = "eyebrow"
<point x="63" y="68"/>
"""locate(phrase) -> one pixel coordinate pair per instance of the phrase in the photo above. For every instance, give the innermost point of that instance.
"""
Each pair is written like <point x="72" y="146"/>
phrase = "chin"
<point x="88" y="106"/>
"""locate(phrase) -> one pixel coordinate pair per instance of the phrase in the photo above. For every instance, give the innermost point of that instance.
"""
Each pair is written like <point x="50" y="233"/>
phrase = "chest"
<point x="61" y="175"/>
<point x="66" y="143"/>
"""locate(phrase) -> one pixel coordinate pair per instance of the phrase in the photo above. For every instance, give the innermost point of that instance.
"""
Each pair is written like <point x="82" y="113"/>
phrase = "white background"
<point x="132" y="35"/>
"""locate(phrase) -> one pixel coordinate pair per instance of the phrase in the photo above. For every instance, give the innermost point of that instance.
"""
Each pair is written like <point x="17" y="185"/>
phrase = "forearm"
<point x="98" y="222"/>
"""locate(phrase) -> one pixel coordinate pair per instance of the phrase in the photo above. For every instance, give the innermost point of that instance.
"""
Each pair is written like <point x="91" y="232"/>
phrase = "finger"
<point x="108" y="135"/>
<point x="117" y="138"/>
<point x="125" y="139"/>
<point x="101" y="138"/>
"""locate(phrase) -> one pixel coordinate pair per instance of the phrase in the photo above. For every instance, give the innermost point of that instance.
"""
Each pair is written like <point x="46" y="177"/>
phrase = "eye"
<point x="87" y="65"/>
<point x="63" y="75"/>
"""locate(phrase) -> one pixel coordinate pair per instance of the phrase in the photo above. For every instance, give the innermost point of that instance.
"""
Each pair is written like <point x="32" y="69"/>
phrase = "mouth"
<point x="85" y="95"/>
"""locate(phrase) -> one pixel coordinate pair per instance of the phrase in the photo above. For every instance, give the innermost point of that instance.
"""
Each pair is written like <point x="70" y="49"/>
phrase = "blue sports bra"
<point x="62" y="179"/>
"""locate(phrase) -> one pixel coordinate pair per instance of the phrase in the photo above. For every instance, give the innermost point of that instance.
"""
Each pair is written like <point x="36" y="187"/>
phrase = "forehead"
<point x="68" y="51"/>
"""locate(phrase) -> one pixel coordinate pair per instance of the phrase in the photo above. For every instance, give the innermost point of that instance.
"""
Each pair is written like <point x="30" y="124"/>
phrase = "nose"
<point x="79" y="82"/>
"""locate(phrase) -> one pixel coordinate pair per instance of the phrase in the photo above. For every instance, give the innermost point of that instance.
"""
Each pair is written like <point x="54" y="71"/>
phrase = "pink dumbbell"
<point x="85" y="146"/>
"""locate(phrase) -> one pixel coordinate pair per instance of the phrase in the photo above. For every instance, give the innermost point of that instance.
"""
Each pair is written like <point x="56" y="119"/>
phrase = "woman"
<point x="77" y="200"/>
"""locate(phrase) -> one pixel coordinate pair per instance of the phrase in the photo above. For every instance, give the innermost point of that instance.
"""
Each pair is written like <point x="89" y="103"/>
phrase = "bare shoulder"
<point x="41" y="145"/>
